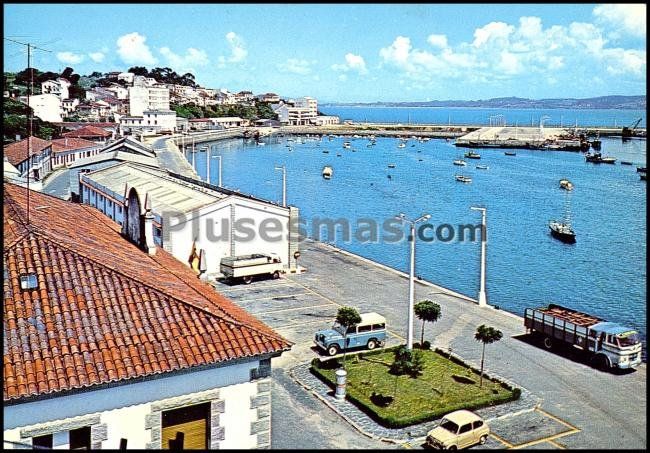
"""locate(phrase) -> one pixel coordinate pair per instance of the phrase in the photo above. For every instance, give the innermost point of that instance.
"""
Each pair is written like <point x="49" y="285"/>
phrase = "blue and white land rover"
<point x="369" y="333"/>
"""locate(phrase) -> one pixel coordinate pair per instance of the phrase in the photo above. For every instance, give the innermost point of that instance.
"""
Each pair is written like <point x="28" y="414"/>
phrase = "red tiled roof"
<point x="105" y="310"/>
<point x="87" y="131"/>
<point x="70" y="143"/>
<point x="17" y="152"/>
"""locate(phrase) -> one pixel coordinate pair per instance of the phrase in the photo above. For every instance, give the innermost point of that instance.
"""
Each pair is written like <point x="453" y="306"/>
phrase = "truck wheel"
<point x="372" y="344"/>
<point x="600" y="362"/>
<point x="247" y="280"/>
<point x="548" y="343"/>
<point x="333" y="350"/>
<point x="276" y="275"/>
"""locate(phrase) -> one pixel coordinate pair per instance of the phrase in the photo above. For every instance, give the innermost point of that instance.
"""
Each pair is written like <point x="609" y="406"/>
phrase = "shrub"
<point x="426" y="345"/>
<point x="381" y="400"/>
<point x="407" y="362"/>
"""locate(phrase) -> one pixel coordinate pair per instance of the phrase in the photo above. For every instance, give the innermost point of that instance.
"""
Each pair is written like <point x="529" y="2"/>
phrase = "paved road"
<point x="58" y="183"/>
<point x="598" y="409"/>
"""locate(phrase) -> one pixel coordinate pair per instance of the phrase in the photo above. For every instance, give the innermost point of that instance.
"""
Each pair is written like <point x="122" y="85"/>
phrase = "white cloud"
<point x="97" y="57"/>
<point x="185" y="63"/>
<point x="69" y="57"/>
<point x="630" y="18"/>
<point x="352" y="63"/>
<point x="438" y="41"/>
<point x="238" y="52"/>
<point x="627" y="61"/>
<point x="397" y="52"/>
<point x="296" y="66"/>
<point x="493" y="32"/>
<point x="132" y="49"/>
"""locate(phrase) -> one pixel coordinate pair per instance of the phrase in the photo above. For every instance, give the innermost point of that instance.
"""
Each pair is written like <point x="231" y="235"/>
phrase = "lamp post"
<point x="218" y="157"/>
<point x="284" y="184"/>
<point x="207" y="160"/>
<point x="482" y="298"/>
<point x="402" y="217"/>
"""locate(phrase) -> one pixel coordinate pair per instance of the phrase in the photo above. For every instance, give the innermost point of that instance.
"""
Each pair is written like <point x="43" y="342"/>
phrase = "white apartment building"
<point x="58" y="87"/>
<point x="47" y="106"/>
<point x="151" y="122"/>
<point x="69" y="106"/>
<point x="143" y="98"/>
<point x="294" y="116"/>
<point x="307" y="103"/>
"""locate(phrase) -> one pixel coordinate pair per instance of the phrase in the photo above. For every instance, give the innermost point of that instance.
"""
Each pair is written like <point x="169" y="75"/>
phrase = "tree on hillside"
<point x="139" y="70"/>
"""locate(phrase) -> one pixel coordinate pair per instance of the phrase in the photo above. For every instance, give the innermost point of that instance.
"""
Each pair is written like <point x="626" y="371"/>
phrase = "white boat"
<point x="391" y="165"/>
<point x="482" y="167"/>
<point x="261" y="143"/>
<point x="463" y="178"/>
<point x="401" y="145"/>
<point x="327" y="172"/>
<point x="460" y="162"/>
<point x="566" y="184"/>
<point x="346" y="145"/>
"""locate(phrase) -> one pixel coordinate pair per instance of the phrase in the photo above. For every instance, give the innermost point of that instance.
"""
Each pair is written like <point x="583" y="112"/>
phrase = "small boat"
<point x="482" y="167"/>
<point x="463" y="178"/>
<point x="624" y="162"/>
<point x="510" y="153"/>
<point x="566" y="184"/>
<point x="640" y="169"/>
<point x="338" y="154"/>
<point x="346" y="144"/>
<point x="472" y="155"/>
<point x="325" y="151"/>
<point x="327" y="172"/>
<point x="401" y="145"/>
<point x="562" y="231"/>
<point x="460" y="162"/>
<point x="597" y="158"/>
<point x="390" y="177"/>
<point x="391" y="165"/>
<point x="261" y="143"/>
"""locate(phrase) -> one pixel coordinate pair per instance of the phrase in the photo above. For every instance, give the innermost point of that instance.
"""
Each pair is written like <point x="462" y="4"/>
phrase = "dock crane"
<point x="628" y="131"/>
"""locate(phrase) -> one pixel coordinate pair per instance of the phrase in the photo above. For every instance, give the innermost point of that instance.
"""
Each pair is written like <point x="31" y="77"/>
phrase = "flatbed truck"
<point x="609" y="345"/>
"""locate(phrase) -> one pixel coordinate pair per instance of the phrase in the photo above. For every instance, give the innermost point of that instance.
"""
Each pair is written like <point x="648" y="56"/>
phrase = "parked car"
<point x="369" y="333"/>
<point x="459" y="429"/>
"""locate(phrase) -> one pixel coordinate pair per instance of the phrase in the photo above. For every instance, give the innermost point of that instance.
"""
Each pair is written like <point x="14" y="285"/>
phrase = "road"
<point x="581" y="406"/>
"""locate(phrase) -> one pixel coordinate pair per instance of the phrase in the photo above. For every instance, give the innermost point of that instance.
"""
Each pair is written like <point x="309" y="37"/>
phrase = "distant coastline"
<point x="602" y="102"/>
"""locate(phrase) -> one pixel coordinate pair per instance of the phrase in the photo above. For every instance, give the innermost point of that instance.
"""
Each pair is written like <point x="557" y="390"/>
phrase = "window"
<point x="378" y="326"/>
<point x="364" y="328"/>
<point x="42" y="441"/>
<point x="191" y="424"/>
<point x="465" y="428"/>
<point x="158" y="232"/>
<point x="477" y="424"/>
<point x="80" y="438"/>
<point x="28" y="281"/>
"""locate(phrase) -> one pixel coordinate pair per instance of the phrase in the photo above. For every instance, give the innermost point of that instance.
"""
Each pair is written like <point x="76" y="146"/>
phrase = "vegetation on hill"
<point x="15" y="121"/>
<point x="17" y="83"/>
<point x="165" y="75"/>
<point x="259" y="110"/>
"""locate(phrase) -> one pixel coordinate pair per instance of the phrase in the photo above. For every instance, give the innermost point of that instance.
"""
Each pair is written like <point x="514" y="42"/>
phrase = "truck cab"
<point x="617" y="346"/>
<point x="369" y="333"/>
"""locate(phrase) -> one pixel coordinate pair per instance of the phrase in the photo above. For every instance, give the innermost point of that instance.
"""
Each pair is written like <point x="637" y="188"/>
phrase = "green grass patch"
<point x="393" y="401"/>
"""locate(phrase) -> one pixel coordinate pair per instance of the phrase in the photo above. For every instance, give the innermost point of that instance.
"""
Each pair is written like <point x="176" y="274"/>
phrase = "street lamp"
<point x="284" y="184"/>
<point x="482" y="298"/>
<point x="218" y="157"/>
<point x="402" y="218"/>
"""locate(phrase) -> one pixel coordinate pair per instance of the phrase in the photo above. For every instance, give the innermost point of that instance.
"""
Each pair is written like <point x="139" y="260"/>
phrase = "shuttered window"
<point x="192" y="421"/>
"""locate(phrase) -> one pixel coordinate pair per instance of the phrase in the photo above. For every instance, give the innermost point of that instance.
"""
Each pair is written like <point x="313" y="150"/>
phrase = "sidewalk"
<point x="367" y="426"/>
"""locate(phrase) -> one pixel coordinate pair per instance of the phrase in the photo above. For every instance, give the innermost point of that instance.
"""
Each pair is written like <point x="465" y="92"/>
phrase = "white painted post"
<point x="482" y="297"/>
<point x="341" y="378"/>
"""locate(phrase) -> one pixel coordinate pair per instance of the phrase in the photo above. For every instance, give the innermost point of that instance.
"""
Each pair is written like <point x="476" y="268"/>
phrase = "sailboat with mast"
<point x="561" y="229"/>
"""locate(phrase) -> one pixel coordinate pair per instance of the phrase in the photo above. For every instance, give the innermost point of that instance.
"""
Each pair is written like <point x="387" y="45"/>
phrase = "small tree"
<point x="347" y="317"/>
<point x="427" y="311"/>
<point x="486" y="335"/>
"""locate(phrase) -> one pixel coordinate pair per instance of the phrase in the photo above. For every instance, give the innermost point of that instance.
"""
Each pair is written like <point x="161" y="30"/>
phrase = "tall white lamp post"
<point x="218" y="157"/>
<point x="284" y="184"/>
<point x="402" y="217"/>
<point x="482" y="298"/>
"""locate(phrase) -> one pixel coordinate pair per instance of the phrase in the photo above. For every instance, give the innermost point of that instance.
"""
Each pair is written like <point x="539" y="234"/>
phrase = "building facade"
<point x="146" y="355"/>
<point x="31" y="157"/>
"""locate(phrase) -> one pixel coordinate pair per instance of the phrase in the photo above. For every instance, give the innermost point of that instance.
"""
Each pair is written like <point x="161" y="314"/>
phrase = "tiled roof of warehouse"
<point x="17" y="152"/>
<point x="104" y="310"/>
<point x="87" y="131"/>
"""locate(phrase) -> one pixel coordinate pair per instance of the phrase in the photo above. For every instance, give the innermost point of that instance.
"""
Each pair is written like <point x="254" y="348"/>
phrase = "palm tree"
<point x="486" y="335"/>
<point x="347" y="317"/>
<point x="427" y="311"/>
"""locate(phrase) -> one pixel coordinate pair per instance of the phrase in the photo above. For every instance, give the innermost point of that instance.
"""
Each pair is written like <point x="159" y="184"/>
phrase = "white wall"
<point x="123" y="408"/>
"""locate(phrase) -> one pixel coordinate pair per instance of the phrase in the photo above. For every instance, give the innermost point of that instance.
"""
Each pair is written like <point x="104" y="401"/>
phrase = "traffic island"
<point x="443" y="385"/>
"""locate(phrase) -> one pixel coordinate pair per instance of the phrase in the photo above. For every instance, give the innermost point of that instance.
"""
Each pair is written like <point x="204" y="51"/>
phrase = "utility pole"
<point x="284" y="184"/>
<point x="482" y="298"/>
<point x="30" y="91"/>
<point x="207" y="160"/>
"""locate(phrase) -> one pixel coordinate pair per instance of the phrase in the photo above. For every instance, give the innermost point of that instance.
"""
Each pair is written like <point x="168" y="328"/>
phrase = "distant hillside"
<point x="601" y="102"/>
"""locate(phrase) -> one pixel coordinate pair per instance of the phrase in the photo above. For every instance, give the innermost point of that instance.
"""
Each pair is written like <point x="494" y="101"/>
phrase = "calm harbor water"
<point x="604" y="273"/>
<point x="481" y="116"/>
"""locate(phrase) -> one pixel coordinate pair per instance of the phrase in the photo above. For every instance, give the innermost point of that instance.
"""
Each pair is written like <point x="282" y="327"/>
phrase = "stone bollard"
<point x="341" y="377"/>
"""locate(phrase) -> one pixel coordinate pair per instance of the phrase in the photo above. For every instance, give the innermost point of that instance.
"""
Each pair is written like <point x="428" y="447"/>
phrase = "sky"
<point x="349" y="52"/>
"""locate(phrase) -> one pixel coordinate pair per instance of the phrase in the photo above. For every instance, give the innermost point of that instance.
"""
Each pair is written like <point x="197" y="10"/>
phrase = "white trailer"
<point x="245" y="267"/>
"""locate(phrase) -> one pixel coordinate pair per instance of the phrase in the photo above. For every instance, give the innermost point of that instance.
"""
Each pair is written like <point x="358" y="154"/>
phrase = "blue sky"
<point x="350" y="52"/>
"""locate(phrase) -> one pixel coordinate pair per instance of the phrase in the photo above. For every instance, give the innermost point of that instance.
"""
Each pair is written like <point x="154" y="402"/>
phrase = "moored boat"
<point x="510" y="153"/>
<point x="463" y="178"/>
<point x="391" y="165"/>
<point x="482" y="167"/>
<point x="460" y="162"/>
<point x="472" y="155"/>
<point x="566" y="184"/>
<point x="562" y="231"/>
<point x="327" y="172"/>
